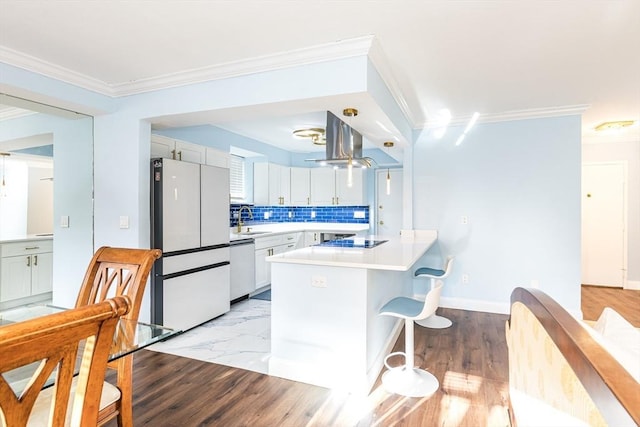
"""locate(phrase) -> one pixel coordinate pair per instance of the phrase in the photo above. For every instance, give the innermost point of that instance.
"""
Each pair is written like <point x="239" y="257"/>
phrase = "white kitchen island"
<point x="325" y="327"/>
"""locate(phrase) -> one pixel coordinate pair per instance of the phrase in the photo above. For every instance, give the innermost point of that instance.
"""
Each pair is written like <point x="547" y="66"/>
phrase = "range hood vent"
<point x="344" y="145"/>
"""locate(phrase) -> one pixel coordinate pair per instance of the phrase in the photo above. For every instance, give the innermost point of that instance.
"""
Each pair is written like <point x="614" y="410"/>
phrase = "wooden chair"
<point x="53" y="341"/>
<point x="112" y="272"/>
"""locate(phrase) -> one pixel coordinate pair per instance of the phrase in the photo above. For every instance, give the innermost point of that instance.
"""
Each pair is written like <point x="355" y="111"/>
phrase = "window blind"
<point x="236" y="179"/>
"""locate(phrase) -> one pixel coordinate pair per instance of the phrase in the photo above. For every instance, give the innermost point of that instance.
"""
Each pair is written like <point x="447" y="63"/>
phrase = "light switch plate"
<point x="64" y="221"/>
<point x="124" y="221"/>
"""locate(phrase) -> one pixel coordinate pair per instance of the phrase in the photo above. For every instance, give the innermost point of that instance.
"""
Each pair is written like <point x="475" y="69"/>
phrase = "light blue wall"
<point x="519" y="184"/>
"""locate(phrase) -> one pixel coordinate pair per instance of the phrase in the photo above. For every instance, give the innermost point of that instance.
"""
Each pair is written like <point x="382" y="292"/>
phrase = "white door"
<point x="603" y="224"/>
<point x="389" y="206"/>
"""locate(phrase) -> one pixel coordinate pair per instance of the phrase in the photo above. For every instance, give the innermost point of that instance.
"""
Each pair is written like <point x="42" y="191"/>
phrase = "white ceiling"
<point x="510" y="58"/>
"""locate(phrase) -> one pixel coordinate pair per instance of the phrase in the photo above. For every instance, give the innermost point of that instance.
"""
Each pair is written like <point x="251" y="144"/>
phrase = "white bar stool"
<point x="434" y="321"/>
<point x="408" y="380"/>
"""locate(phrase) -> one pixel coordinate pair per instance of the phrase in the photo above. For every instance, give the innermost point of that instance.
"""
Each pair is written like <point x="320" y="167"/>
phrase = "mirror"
<point x="48" y="191"/>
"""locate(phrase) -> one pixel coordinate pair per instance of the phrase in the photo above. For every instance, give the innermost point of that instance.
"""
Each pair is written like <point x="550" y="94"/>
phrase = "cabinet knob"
<point x="35" y="260"/>
<point x="381" y="223"/>
<point x="29" y="261"/>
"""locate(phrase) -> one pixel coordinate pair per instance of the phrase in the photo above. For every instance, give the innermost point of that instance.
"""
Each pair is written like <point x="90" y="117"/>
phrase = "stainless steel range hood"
<point x="344" y="145"/>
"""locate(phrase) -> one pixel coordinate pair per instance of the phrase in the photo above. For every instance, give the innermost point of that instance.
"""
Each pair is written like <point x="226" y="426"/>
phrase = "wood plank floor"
<point x="469" y="359"/>
<point x="624" y="301"/>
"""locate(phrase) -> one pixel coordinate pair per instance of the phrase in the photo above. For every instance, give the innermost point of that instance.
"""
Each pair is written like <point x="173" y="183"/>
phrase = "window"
<point x="236" y="181"/>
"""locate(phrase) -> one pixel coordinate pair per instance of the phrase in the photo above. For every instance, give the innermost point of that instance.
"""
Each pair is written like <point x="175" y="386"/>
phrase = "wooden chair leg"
<point x="125" y="384"/>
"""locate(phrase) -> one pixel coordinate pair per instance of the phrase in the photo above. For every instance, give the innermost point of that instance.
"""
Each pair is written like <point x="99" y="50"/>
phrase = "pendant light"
<point x="387" y="145"/>
<point x="3" y="186"/>
<point x="350" y="112"/>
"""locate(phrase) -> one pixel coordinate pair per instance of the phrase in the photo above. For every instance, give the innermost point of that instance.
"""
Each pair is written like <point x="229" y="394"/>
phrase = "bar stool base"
<point x="410" y="382"/>
<point x="435" y="322"/>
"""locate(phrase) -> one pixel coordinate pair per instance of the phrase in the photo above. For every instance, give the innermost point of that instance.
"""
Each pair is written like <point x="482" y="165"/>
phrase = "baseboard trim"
<point x="475" y="305"/>
<point x="633" y="285"/>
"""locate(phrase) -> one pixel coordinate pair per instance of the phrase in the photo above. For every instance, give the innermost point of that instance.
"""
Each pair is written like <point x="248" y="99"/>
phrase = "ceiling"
<point x="503" y="59"/>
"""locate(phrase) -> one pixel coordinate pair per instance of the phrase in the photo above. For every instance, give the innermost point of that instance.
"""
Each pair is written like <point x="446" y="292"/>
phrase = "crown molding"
<point x="37" y="65"/>
<point x="320" y="53"/>
<point x="309" y="55"/>
<point x="533" y="113"/>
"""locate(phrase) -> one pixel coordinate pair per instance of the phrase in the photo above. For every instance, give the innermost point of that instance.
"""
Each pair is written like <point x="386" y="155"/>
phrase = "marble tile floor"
<point x="240" y="338"/>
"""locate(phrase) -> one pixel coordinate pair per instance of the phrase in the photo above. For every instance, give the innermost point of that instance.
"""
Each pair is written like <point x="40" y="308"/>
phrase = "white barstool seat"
<point x="434" y="321"/>
<point x="408" y="380"/>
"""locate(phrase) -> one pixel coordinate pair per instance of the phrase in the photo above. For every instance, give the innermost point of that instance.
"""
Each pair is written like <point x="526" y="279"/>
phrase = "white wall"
<point x="628" y="152"/>
<point x="519" y="184"/>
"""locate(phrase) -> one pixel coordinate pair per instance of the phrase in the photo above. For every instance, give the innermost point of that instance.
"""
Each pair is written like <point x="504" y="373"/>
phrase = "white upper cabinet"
<point x="217" y="158"/>
<point x="323" y="184"/>
<point x="169" y="148"/>
<point x="354" y="194"/>
<point x="279" y="185"/>
<point x="300" y="186"/>
<point x="295" y="186"/>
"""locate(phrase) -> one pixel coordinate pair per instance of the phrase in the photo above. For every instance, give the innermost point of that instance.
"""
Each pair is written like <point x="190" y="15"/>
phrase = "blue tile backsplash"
<point x="340" y="214"/>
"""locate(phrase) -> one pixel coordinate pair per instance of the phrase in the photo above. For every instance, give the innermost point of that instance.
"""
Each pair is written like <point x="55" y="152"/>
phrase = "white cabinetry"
<point x="311" y="238"/>
<point x="272" y="245"/>
<point x="300" y="186"/>
<point x="217" y="158"/>
<point x="323" y="186"/>
<point x="169" y="148"/>
<point x="279" y="185"/>
<point x="271" y="184"/>
<point x="354" y="195"/>
<point x="26" y="269"/>
<point x="330" y="187"/>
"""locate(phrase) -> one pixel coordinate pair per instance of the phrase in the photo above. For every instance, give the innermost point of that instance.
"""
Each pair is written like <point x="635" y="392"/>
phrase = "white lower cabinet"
<point x="26" y="269"/>
<point x="311" y="238"/>
<point x="273" y="245"/>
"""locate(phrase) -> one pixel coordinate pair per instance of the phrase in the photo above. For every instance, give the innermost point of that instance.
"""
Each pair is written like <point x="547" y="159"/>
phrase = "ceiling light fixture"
<point x="3" y="186"/>
<point x="315" y="134"/>
<point x="616" y="125"/>
<point x="388" y="145"/>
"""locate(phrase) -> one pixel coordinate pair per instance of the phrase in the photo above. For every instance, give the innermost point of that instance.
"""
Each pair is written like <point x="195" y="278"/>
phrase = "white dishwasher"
<point x="242" y="267"/>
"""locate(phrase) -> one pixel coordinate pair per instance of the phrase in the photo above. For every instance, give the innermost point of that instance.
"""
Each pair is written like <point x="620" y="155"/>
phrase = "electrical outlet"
<point x="319" y="281"/>
<point x="464" y="220"/>
<point x="266" y="215"/>
<point x="313" y="214"/>
<point x="465" y="279"/>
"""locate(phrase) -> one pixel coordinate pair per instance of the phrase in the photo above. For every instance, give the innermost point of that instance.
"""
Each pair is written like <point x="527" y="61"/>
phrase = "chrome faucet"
<point x="240" y="223"/>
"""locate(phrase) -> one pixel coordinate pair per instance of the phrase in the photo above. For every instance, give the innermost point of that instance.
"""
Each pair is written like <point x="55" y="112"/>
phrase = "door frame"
<point x="625" y="209"/>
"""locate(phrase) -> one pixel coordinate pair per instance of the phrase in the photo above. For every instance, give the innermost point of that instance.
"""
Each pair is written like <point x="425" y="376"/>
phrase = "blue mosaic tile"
<point x="277" y="214"/>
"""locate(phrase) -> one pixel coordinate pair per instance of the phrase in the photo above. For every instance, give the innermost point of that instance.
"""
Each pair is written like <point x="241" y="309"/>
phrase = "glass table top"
<point x="129" y="336"/>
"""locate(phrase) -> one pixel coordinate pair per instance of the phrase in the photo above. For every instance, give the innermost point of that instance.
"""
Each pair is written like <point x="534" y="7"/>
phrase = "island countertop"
<point x="396" y="254"/>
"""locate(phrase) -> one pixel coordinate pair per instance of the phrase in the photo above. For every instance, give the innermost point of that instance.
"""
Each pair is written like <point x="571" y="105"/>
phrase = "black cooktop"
<point x="352" y="243"/>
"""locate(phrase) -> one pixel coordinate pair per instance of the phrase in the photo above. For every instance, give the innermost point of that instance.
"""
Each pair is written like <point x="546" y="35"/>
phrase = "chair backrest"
<point x="448" y="266"/>
<point x="118" y="271"/>
<point x="53" y="341"/>
<point x="431" y="301"/>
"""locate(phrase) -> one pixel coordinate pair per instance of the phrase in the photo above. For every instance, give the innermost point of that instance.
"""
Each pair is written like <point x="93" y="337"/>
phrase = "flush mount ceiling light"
<point x="315" y="134"/>
<point x="616" y="125"/>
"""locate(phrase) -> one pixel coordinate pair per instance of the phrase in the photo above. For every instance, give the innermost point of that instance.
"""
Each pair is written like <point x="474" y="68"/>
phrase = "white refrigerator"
<point x="190" y="283"/>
